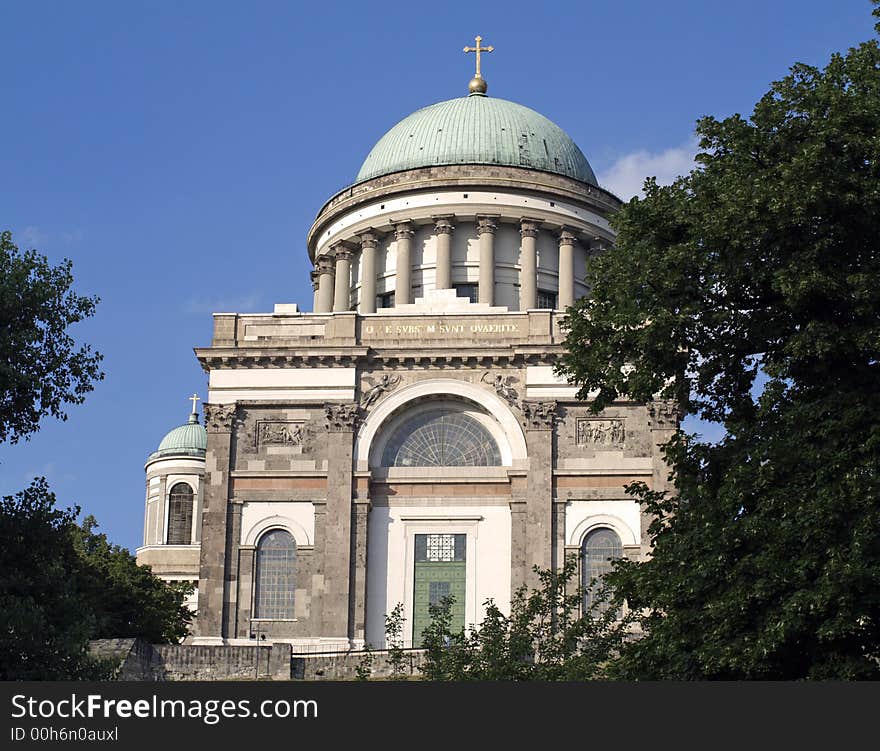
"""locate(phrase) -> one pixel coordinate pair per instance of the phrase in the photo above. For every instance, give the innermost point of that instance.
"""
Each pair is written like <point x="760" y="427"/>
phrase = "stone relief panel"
<point x="279" y="438"/>
<point x="599" y="433"/>
<point x="621" y="428"/>
<point x="280" y="433"/>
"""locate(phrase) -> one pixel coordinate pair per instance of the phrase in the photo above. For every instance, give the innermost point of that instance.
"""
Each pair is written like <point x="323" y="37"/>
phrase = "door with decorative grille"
<point x="439" y="572"/>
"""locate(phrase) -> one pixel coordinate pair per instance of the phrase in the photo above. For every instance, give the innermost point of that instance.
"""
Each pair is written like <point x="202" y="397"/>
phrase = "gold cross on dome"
<point x="194" y="398"/>
<point x="479" y="49"/>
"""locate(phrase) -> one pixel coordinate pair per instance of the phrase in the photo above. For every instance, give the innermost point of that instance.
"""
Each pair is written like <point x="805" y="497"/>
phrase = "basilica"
<point x="408" y="438"/>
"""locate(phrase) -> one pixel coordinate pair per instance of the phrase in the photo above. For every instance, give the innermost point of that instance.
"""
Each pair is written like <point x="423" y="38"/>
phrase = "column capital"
<point x="324" y="264"/>
<point x="566" y="236"/>
<point x="663" y="414"/>
<point x="528" y="227"/>
<point x="342" y="252"/>
<point x="341" y="418"/>
<point x="443" y="225"/>
<point x="368" y="240"/>
<point x="539" y="415"/>
<point x="315" y="276"/>
<point x="403" y="230"/>
<point x="219" y="418"/>
<point x="486" y="224"/>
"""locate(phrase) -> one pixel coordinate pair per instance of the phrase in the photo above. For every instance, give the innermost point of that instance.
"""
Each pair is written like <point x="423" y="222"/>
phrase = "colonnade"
<point x="331" y="278"/>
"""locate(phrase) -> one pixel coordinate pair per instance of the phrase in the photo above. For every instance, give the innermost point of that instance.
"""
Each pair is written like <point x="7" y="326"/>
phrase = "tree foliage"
<point x="747" y="291"/>
<point x="62" y="584"/>
<point x="41" y="368"/>
<point x="546" y="637"/>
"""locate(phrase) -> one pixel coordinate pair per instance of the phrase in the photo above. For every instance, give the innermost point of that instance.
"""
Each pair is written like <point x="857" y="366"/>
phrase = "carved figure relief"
<point x="386" y="383"/>
<point x="502" y="385"/>
<point x="600" y="433"/>
<point x="278" y="433"/>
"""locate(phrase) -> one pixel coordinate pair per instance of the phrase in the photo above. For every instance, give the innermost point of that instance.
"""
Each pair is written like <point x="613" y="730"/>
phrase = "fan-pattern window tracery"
<point x="442" y="437"/>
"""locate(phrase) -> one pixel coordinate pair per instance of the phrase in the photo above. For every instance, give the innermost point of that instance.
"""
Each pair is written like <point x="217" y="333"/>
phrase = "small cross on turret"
<point x="194" y="398"/>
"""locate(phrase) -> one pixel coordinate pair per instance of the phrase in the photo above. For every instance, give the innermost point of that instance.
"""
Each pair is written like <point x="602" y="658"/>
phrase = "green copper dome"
<point x="477" y="129"/>
<point x="186" y="440"/>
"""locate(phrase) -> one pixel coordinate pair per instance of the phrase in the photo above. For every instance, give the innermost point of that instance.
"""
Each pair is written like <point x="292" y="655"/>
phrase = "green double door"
<point x="440" y="561"/>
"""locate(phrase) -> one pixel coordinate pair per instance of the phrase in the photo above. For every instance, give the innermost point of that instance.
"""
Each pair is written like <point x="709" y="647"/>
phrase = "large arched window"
<point x="441" y="437"/>
<point x="180" y="514"/>
<point x="275" y="568"/>
<point x="599" y="548"/>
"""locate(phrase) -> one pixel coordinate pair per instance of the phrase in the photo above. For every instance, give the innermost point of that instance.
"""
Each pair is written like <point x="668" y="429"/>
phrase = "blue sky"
<point x="178" y="152"/>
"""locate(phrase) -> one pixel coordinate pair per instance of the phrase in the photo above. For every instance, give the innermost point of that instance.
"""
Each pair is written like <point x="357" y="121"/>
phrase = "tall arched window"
<point x="442" y="437"/>
<point x="180" y="514"/>
<point x="599" y="548"/>
<point x="275" y="568"/>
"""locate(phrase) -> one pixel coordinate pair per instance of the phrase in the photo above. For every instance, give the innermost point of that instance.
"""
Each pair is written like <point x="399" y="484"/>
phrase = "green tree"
<point x="41" y="368"/>
<point x="125" y="599"/>
<point x="546" y="637"/>
<point x="44" y="630"/>
<point x="747" y="292"/>
<point x="61" y="584"/>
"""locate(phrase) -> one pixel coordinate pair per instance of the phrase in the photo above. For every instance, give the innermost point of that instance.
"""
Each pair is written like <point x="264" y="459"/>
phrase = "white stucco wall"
<point x="623" y="516"/>
<point x="297" y="517"/>
<point x="390" y="559"/>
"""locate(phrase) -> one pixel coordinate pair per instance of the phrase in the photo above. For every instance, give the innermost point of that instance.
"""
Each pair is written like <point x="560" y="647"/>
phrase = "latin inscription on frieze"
<point x="599" y="434"/>
<point x="442" y="330"/>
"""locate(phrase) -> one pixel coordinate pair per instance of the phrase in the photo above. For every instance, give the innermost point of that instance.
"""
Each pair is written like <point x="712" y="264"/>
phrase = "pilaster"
<point x="340" y="423"/>
<point x="539" y="420"/>
<point x="219" y="421"/>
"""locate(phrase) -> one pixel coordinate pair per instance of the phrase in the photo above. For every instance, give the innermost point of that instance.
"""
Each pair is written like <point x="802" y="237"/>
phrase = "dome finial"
<point x="477" y="84"/>
<point x="194" y="415"/>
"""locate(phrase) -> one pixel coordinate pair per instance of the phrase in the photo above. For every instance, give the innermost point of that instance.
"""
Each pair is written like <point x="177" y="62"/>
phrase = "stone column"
<point x="486" y="230"/>
<point x="369" y="243"/>
<point x="315" y="277"/>
<point x="539" y="542"/>
<point x="528" y="265"/>
<point x="443" y="229"/>
<point x="341" y="420"/>
<point x="403" y="284"/>
<point x="342" y="293"/>
<point x="219" y="420"/>
<point x="324" y="267"/>
<point x="566" y="269"/>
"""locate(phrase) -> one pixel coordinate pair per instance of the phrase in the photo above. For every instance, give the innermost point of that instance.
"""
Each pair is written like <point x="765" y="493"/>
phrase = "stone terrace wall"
<point x="137" y="660"/>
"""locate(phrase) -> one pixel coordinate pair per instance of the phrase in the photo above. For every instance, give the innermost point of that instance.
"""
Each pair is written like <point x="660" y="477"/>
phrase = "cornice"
<point x="220" y="358"/>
